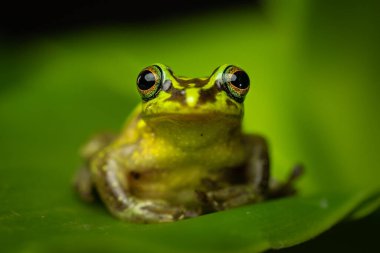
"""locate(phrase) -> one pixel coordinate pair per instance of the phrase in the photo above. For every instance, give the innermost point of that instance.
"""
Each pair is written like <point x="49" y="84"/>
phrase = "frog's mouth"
<point x="210" y="116"/>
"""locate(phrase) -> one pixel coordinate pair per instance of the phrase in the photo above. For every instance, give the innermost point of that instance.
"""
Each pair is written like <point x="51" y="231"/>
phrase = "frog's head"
<point x="166" y="95"/>
<point x="191" y="107"/>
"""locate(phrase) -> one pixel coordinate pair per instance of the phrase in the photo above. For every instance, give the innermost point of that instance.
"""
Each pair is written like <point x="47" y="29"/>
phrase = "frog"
<point x="182" y="152"/>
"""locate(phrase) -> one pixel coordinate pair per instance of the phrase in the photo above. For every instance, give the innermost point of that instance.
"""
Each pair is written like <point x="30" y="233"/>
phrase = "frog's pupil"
<point x="240" y="79"/>
<point x="146" y="80"/>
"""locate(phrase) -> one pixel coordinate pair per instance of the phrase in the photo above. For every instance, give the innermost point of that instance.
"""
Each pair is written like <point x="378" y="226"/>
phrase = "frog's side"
<point x="182" y="152"/>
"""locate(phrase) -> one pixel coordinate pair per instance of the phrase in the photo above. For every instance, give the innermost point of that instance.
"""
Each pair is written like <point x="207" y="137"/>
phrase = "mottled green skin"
<point x="180" y="154"/>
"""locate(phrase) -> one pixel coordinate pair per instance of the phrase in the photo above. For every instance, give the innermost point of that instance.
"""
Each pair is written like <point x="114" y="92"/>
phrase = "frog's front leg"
<point x="252" y="185"/>
<point x="112" y="182"/>
<point x="257" y="185"/>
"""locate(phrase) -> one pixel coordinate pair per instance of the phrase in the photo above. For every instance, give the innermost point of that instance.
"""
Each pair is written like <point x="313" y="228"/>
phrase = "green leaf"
<point x="314" y="97"/>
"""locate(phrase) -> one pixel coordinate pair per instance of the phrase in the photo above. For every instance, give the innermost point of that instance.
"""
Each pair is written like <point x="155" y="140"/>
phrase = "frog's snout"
<point x="192" y="96"/>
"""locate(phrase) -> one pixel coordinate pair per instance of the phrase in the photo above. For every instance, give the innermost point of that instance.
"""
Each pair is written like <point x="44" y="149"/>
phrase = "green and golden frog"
<point x="182" y="152"/>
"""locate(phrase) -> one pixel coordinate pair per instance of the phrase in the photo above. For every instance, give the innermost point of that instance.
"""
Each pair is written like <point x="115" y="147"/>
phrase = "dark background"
<point x="25" y="20"/>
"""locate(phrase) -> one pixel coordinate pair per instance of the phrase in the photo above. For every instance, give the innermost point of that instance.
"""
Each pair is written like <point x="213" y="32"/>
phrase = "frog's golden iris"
<point x="149" y="82"/>
<point x="182" y="152"/>
<point x="237" y="82"/>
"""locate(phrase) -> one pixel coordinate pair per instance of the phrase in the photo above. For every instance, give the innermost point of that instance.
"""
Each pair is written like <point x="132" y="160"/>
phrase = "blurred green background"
<point x="315" y="84"/>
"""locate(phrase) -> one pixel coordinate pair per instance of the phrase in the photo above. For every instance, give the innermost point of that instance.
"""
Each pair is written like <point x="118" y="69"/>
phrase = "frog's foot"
<point x="278" y="190"/>
<point x="153" y="211"/>
<point x="226" y="198"/>
<point x="84" y="185"/>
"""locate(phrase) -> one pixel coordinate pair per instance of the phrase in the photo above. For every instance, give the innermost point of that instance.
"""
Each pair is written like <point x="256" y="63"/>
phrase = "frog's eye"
<point x="149" y="82"/>
<point x="236" y="82"/>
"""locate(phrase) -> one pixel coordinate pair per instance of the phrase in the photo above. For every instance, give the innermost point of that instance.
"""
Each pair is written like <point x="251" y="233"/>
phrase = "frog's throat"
<point x="195" y="132"/>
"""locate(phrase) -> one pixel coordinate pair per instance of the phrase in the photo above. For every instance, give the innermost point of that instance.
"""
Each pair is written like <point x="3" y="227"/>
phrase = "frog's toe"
<point x="287" y="188"/>
<point x="161" y="213"/>
<point x="226" y="198"/>
<point x="152" y="212"/>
